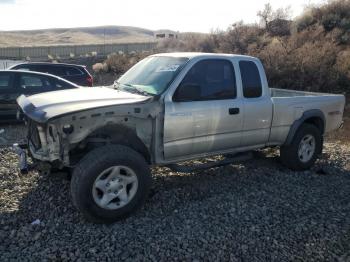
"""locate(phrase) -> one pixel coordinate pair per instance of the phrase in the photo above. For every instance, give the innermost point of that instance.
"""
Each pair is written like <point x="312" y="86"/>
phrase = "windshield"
<point x="151" y="75"/>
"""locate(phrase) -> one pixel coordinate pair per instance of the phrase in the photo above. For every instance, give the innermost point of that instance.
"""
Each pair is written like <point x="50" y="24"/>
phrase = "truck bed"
<point x="289" y="106"/>
<point x="276" y="92"/>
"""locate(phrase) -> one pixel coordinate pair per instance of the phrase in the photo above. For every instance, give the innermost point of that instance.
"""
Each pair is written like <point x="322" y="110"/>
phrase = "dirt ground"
<point x="342" y="135"/>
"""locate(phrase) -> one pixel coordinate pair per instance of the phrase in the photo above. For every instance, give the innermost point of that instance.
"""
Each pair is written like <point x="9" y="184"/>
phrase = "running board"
<point x="230" y="159"/>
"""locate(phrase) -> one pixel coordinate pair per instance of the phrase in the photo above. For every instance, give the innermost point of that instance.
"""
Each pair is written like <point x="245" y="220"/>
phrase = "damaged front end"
<point x="42" y="146"/>
<point x="59" y="141"/>
<point x="39" y="147"/>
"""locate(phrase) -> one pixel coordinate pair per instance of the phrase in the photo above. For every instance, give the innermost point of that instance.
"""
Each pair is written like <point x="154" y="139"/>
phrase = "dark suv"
<point x="77" y="74"/>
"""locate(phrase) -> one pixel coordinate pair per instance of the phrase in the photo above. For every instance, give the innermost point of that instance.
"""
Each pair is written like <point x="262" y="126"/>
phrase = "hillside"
<point x="82" y="35"/>
<point x="310" y="52"/>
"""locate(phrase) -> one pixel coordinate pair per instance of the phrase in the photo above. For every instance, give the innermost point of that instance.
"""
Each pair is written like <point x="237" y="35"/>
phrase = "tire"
<point x="97" y="170"/>
<point x="290" y="154"/>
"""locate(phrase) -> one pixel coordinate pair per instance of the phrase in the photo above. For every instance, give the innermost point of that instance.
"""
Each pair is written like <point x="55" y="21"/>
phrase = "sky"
<point x="179" y="15"/>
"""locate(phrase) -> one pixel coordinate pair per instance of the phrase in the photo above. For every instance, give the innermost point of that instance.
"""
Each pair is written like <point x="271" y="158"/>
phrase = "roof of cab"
<point x="199" y="54"/>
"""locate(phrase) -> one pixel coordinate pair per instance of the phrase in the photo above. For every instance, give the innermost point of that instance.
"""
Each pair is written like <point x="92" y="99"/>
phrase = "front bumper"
<point x="43" y="145"/>
<point x="22" y="158"/>
<point x="24" y="167"/>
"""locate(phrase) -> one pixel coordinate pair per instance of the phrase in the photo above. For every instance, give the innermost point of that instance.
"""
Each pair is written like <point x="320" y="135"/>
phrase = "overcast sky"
<point x="181" y="15"/>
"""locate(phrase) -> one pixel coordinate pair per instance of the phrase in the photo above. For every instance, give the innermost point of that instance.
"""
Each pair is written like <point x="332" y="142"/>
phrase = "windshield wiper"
<point x="134" y="89"/>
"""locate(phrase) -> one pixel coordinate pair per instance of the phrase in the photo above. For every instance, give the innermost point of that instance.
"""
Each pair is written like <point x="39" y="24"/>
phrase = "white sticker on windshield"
<point x="168" y="68"/>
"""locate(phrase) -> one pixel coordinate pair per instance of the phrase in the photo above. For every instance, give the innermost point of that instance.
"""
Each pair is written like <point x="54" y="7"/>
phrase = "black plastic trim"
<point x="297" y="123"/>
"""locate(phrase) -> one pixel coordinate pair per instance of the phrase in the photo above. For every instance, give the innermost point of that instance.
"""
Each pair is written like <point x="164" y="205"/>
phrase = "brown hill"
<point x="82" y="35"/>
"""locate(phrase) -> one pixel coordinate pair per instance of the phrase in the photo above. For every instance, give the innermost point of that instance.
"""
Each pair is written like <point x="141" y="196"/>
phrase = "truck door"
<point x="257" y="104"/>
<point x="204" y="114"/>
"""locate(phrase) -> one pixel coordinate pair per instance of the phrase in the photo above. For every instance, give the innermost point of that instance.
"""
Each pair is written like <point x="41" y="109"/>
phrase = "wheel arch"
<point x="314" y="117"/>
<point x="122" y="135"/>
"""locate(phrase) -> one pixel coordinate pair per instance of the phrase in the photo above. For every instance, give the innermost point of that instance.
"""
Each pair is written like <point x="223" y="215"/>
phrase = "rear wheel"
<point x="109" y="183"/>
<point x="306" y="145"/>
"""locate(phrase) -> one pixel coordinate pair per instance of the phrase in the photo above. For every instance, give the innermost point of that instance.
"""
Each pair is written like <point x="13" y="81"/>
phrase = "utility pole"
<point x="104" y="40"/>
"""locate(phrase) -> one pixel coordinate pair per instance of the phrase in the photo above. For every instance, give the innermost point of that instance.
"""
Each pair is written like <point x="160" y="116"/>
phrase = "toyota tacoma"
<point x="167" y="109"/>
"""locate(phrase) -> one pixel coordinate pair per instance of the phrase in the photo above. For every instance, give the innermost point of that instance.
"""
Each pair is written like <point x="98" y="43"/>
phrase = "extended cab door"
<point x="256" y="102"/>
<point x="203" y="115"/>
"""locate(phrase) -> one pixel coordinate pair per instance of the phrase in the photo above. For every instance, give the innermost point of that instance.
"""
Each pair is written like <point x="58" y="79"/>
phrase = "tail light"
<point x="89" y="80"/>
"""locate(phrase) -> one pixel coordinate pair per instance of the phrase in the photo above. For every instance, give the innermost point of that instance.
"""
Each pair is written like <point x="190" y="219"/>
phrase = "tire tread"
<point x="289" y="153"/>
<point x="99" y="157"/>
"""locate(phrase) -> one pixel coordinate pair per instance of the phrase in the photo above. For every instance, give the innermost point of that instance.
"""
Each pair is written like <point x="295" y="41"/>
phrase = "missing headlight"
<point x="68" y="129"/>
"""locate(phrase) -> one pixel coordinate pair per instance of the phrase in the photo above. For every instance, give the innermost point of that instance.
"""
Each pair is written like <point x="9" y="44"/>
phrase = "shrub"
<point x="118" y="63"/>
<point x="330" y="21"/>
<point x="305" y="21"/>
<point x="279" y="27"/>
<point x="315" y="56"/>
<point x="239" y="36"/>
<point x="100" y="67"/>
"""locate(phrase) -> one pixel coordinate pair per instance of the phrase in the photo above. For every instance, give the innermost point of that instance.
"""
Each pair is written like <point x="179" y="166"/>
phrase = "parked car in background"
<point x="14" y="83"/>
<point x="77" y="74"/>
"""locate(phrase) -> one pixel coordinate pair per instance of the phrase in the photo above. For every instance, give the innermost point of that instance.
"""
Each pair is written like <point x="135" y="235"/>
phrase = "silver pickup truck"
<point x="167" y="109"/>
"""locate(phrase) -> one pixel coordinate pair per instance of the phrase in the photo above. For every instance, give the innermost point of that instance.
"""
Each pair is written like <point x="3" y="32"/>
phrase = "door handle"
<point x="233" y="111"/>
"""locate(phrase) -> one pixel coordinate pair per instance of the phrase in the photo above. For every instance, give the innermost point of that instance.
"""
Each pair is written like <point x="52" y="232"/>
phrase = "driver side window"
<point x="211" y="79"/>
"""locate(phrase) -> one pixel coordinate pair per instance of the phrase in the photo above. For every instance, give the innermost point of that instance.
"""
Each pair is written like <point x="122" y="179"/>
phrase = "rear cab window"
<point x="251" y="81"/>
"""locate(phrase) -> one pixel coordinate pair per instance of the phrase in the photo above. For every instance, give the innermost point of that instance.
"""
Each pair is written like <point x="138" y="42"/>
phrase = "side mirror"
<point x="115" y="84"/>
<point x="187" y="92"/>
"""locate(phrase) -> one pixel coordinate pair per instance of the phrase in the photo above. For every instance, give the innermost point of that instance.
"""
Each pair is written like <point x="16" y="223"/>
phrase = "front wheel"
<point x="109" y="183"/>
<point x="302" y="153"/>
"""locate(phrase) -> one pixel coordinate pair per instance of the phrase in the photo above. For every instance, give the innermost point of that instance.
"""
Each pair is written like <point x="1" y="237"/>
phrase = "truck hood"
<point x="42" y="107"/>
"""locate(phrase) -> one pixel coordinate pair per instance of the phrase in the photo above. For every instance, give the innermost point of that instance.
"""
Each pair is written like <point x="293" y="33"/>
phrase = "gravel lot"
<point x="256" y="211"/>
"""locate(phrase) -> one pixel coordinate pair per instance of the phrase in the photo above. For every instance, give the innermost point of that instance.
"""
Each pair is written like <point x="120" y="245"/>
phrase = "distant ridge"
<point x="78" y="35"/>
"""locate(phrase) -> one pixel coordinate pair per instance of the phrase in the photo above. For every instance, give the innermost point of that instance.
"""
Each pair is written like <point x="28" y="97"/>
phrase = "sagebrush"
<point x="311" y="52"/>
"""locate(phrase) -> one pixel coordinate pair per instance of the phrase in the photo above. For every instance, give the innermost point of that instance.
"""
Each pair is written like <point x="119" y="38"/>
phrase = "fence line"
<point x="65" y="51"/>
